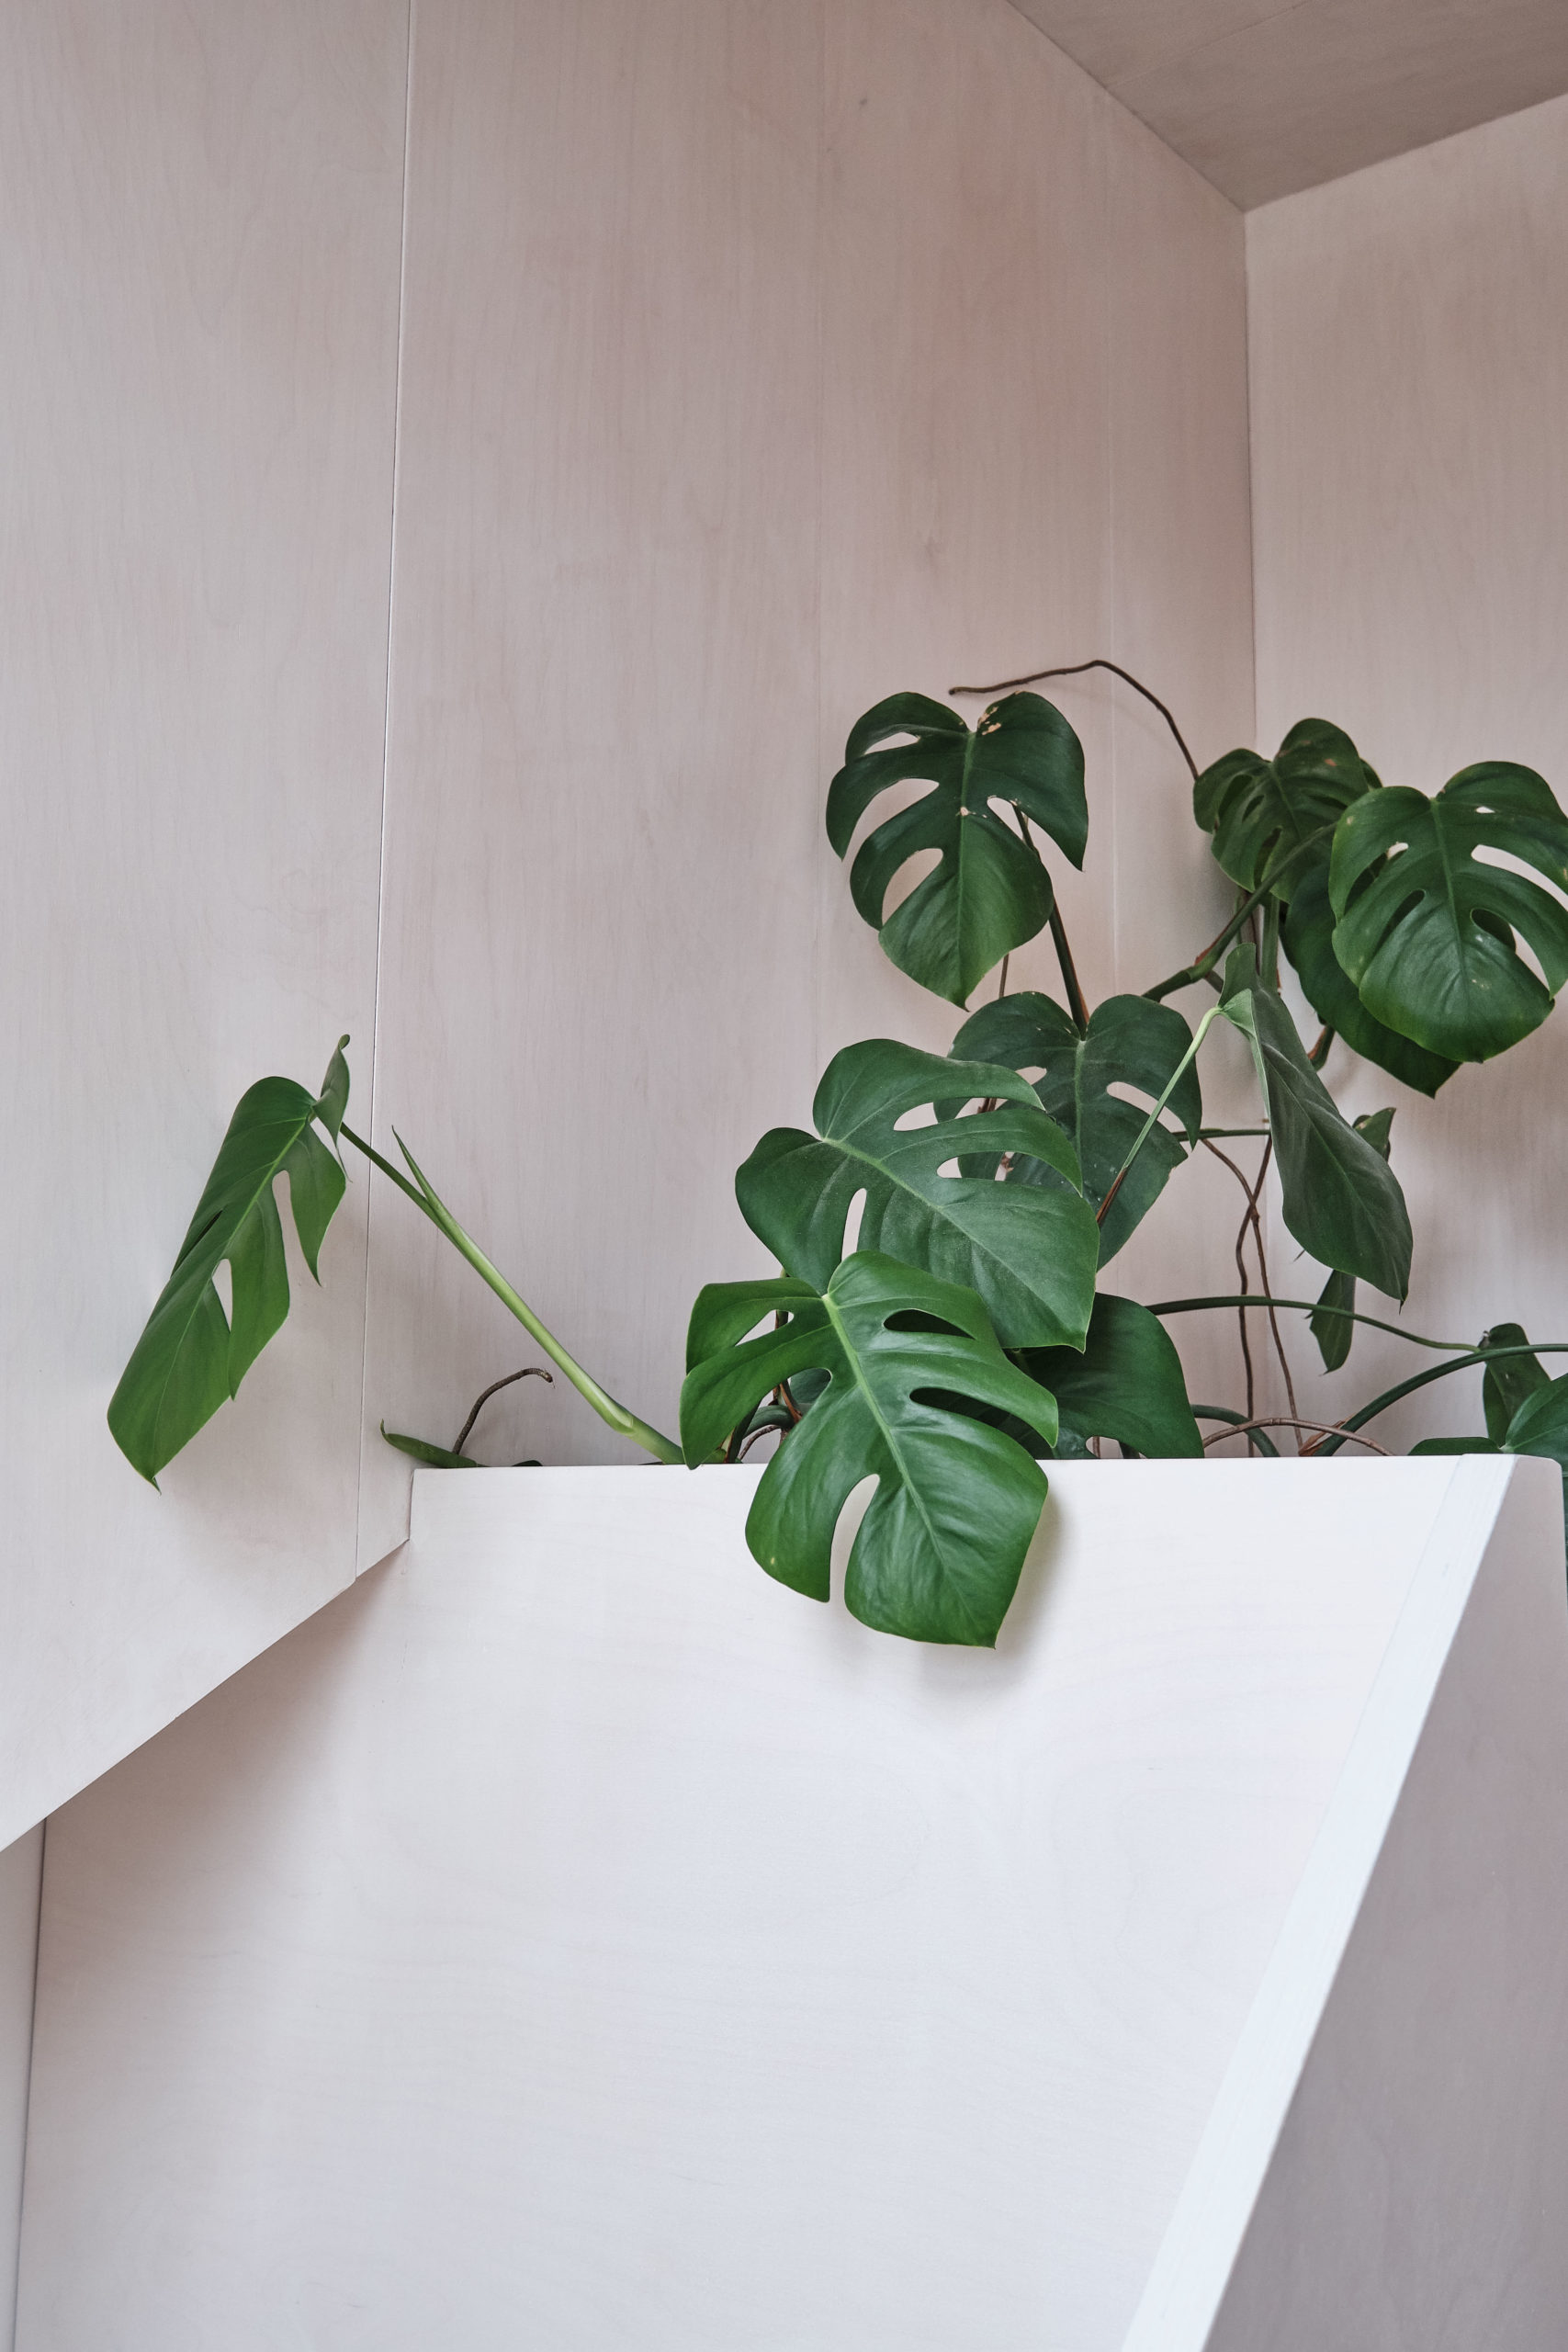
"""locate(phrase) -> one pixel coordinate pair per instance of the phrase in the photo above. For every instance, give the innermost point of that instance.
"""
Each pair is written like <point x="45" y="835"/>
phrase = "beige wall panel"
<point x="199" y="277"/>
<point x="603" y="796"/>
<point x="965" y="454"/>
<point x="1410" y="386"/>
<point x="1181" y="621"/>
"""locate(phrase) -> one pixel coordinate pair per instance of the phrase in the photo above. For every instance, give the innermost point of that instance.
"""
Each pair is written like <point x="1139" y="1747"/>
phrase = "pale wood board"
<point x="200" y="282"/>
<point x="1409" y="356"/>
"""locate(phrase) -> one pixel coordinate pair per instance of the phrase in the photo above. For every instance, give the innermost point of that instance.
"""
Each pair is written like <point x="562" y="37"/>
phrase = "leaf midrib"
<point x="853" y="1357"/>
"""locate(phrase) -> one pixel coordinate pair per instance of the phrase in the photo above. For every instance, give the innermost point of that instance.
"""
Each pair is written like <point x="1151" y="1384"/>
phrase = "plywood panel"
<point x="603" y="796"/>
<point x="199" y="278"/>
<point x="965" y="448"/>
<point x="1268" y="99"/>
<point x="571" y="1937"/>
<point x="1410" y="379"/>
<point x="1181" y="622"/>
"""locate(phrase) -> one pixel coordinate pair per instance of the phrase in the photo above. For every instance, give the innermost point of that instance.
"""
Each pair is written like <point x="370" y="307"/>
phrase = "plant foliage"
<point x="990" y="890"/>
<point x="191" y="1357"/>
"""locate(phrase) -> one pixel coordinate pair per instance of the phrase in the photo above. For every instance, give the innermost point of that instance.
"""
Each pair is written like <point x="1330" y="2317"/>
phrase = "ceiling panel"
<point x="1266" y="99"/>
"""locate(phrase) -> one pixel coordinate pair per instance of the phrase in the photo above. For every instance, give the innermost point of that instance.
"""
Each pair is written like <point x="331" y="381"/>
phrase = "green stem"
<point x="1269" y="963"/>
<point x="1306" y="1307"/>
<point x="1353" y="1422"/>
<point x="1076" y="1003"/>
<point x="615" y="1415"/>
<point x="1238" y="1420"/>
<point x="387" y="1169"/>
<point x="1144" y="1131"/>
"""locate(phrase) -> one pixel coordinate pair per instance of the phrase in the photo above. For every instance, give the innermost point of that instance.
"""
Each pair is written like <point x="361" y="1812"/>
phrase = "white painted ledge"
<point x="570" y="1939"/>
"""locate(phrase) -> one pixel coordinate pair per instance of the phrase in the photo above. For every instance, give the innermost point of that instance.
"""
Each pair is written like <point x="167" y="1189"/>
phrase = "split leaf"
<point x="1130" y="1041"/>
<point x="1428" y="939"/>
<point x="191" y="1358"/>
<point x="930" y="1560"/>
<point x="990" y="892"/>
<point x="1030" y="1253"/>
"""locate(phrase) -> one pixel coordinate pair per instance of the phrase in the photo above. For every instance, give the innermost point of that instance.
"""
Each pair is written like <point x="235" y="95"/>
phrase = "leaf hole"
<point x="852" y="1222"/>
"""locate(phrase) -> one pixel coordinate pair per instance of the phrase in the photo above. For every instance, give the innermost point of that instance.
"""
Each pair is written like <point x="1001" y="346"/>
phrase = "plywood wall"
<point x="1409" y="353"/>
<point x="199" y="279"/>
<point x="657" y="383"/>
<point x="756" y="363"/>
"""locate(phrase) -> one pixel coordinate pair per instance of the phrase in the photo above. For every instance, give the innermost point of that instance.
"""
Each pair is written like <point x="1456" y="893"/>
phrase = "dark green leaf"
<point x="1334" y="1332"/>
<point x="1340" y="1199"/>
<point x="190" y="1360"/>
<point x="1130" y="1041"/>
<point x="435" y="1457"/>
<point x="1308" y="938"/>
<point x="938" y="1555"/>
<point x="1274" y="819"/>
<point x="1029" y="1254"/>
<point x="1428" y="941"/>
<point x="1127" y="1384"/>
<point x="1457" y="1445"/>
<point x="989" y="892"/>
<point x="1506" y="1385"/>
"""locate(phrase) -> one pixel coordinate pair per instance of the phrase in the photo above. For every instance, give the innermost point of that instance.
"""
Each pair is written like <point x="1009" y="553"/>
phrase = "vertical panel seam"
<point x="385" y="759"/>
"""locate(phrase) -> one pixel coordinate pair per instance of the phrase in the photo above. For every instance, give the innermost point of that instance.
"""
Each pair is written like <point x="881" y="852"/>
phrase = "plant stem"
<point x="1075" y="670"/>
<point x="1308" y="1306"/>
<point x="1224" y="1413"/>
<point x="1252" y="1218"/>
<point x="529" y="1372"/>
<point x="1280" y="1422"/>
<point x="615" y="1416"/>
<point x="1198" y="1036"/>
<point x="1076" y="1004"/>
<point x="1204" y="964"/>
<point x="1353" y="1422"/>
<point x="399" y="1179"/>
<point x="1319" y="1053"/>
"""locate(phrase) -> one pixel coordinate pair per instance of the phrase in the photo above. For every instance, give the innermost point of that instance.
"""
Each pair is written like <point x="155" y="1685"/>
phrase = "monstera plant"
<point x="937" y="1325"/>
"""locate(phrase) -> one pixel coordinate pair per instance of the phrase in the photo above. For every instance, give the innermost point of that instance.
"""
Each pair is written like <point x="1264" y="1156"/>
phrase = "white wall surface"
<point x="199" y="277"/>
<point x="1409" y="342"/>
<point x="572" y="1938"/>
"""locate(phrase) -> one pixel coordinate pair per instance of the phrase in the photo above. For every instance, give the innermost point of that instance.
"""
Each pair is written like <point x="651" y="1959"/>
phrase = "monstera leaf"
<point x="938" y="1555"/>
<point x="989" y="892"/>
<point x="1428" y="941"/>
<point x="1029" y="1254"/>
<point x="1127" y="1384"/>
<point x="1511" y="1380"/>
<point x="1309" y="943"/>
<point x="1130" y="1041"/>
<point x="1335" y="1331"/>
<point x="191" y="1358"/>
<point x="1339" y="1197"/>
<point x="1274" y="819"/>
<point x="1537" y="1423"/>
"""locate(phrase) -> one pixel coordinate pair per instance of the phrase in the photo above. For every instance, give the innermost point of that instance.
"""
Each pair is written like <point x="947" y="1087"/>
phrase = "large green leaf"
<point x="1429" y="940"/>
<point x="1339" y="1197"/>
<point x="1335" y="1331"/>
<point x="1127" y="1384"/>
<point x="1331" y="993"/>
<point x="989" y="892"/>
<point x="1538" y="1426"/>
<point x="938" y="1555"/>
<point x="1274" y="819"/>
<point x="1130" y="1042"/>
<point x="190" y="1358"/>
<point x="1031" y="1254"/>
<point x="1508" y="1383"/>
